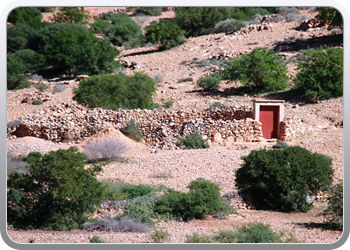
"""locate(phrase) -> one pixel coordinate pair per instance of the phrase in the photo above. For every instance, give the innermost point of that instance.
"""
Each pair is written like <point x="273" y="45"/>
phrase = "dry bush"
<point x="104" y="149"/>
<point x="122" y="224"/>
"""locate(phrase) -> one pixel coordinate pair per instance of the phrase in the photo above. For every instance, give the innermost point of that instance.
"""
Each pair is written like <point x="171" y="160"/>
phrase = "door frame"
<point x="256" y="110"/>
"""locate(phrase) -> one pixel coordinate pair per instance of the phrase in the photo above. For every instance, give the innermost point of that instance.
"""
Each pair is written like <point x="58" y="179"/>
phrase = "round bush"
<point x="28" y="15"/>
<point x="279" y="179"/>
<point x="203" y="198"/>
<point x="76" y="51"/>
<point x="28" y="58"/>
<point x="320" y="74"/>
<point x="15" y="77"/>
<point x="19" y="37"/>
<point x="260" y="70"/>
<point x="167" y="33"/>
<point x="208" y="82"/>
<point x="117" y="91"/>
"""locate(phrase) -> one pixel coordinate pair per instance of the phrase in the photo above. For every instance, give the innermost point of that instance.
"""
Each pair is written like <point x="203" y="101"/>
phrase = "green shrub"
<point x="133" y="191"/>
<point x="19" y="36"/>
<point x="193" y="141"/>
<point x="28" y="58"/>
<point x="197" y="238"/>
<point x="100" y="26"/>
<point x="260" y="70"/>
<point x="168" y="34"/>
<point x="334" y="211"/>
<point x="280" y="179"/>
<point x="141" y="208"/>
<point x="96" y="239"/>
<point x="202" y="199"/>
<point x="216" y="105"/>
<point x="256" y="232"/>
<point x="329" y="14"/>
<point x="117" y="91"/>
<point x="320" y="74"/>
<point x="27" y="15"/>
<point x="229" y="26"/>
<point x="71" y="15"/>
<point x="123" y="30"/>
<point x="86" y="54"/>
<point x="167" y="104"/>
<point x="37" y="102"/>
<point x="208" y="82"/>
<point x="187" y="79"/>
<point x="15" y="77"/>
<point x="198" y="21"/>
<point x="112" y="190"/>
<point x="160" y="236"/>
<point x="133" y="131"/>
<point x="58" y="194"/>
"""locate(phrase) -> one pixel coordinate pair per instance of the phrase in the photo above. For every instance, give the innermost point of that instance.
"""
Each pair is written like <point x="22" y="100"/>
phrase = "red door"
<point x="269" y="119"/>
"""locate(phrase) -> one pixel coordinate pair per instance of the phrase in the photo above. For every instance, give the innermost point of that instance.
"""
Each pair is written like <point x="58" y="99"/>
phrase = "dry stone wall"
<point x="160" y="128"/>
<point x="290" y="128"/>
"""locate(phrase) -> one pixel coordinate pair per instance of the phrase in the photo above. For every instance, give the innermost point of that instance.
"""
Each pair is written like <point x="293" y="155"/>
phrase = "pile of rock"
<point x="130" y="64"/>
<point x="38" y="95"/>
<point x="290" y="128"/>
<point x="253" y="28"/>
<point x="308" y="24"/>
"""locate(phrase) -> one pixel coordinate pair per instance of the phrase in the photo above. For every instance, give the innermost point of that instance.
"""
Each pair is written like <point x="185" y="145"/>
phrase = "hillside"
<point x="322" y="122"/>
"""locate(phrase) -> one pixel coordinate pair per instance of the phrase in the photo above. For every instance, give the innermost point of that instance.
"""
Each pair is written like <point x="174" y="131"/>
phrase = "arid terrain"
<point x="322" y="122"/>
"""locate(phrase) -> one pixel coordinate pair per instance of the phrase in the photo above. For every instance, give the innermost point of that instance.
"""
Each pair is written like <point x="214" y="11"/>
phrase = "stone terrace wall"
<point x="161" y="128"/>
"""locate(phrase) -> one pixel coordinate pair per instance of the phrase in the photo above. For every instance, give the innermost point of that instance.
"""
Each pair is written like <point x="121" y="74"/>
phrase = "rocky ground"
<point x="176" y="168"/>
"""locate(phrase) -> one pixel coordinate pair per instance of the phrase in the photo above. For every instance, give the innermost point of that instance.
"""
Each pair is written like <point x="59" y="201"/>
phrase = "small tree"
<point x="320" y="74"/>
<point x="58" y="194"/>
<point x="261" y="69"/>
<point x="168" y="34"/>
<point x="117" y="91"/>
<point x="78" y="52"/>
<point x="26" y="15"/>
<point x="280" y="179"/>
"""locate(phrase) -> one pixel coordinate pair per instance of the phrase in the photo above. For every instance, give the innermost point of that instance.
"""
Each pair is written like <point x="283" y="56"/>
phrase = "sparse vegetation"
<point x="187" y="79"/>
<point x="120" y="224"/>
<point x="96" y="239"/>
<point x="160" y="236"/>
<point x="193" y="141"/>
<point x="133" y="131"/>
<point x="71" y="15"/>
<point x="247" y="233"/>
<point x="229" y="26"/>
